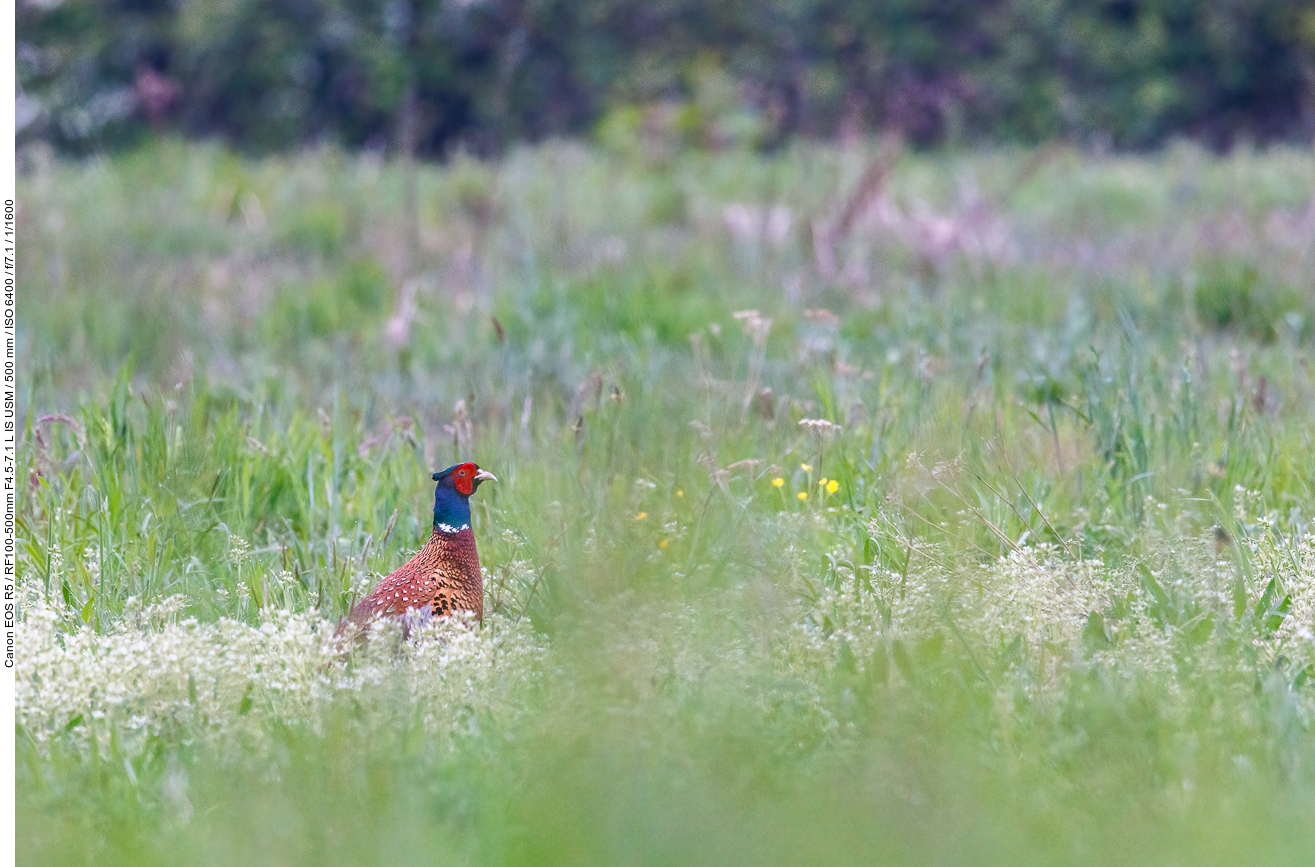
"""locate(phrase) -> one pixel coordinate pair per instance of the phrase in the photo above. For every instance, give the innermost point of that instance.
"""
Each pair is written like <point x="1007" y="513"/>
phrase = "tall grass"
<point x="955" y="511"/>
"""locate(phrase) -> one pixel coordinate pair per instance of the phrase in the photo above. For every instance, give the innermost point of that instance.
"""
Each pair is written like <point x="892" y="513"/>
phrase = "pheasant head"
<point x="452" y="495"/>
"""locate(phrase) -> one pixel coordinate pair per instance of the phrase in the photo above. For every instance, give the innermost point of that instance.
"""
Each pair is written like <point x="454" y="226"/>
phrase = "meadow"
<point x="855" y="506"/>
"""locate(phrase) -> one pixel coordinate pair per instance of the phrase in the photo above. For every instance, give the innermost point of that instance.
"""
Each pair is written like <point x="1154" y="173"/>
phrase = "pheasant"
<point x="443" y="578"/>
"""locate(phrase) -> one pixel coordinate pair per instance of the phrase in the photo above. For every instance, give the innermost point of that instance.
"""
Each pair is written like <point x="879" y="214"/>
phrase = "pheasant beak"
<point x="484" y="476"/>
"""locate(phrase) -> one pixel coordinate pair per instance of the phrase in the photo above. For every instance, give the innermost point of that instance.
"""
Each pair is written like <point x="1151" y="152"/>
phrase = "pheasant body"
<point x="443" y="578"/>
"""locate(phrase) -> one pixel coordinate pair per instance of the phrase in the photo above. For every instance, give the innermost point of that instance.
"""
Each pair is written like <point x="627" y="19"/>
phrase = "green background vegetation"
<point x="430" y="76"/>
<point x="237" y="369"/>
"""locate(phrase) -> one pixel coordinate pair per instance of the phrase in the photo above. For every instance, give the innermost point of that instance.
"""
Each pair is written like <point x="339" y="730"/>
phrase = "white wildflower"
<point x="239" y="550"/>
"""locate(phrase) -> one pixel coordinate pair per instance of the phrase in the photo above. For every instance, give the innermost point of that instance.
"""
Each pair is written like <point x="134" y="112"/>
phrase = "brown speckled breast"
<point x="442" y="577"/>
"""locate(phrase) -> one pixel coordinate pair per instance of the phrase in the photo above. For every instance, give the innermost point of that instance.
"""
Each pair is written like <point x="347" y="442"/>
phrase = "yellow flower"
<point x="778" y="482"/>
<point x="821" y="483"/>
<point x="808" y="468"/>
<point x="832" y="486"/>
<point x="641" y="516"/>
<point x="680" y="493"/>
<point x="803" y="495"/>
<point x="663" y="544"/>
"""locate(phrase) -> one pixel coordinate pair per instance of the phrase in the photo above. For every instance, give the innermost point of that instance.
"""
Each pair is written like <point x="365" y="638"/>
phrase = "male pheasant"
<point x="443" y="578"/>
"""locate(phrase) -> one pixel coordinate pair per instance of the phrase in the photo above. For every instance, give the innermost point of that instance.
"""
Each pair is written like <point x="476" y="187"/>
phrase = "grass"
<point x="957" y="514"/>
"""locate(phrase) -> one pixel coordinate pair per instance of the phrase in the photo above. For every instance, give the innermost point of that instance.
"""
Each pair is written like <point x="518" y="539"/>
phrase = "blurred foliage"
<point x="978" y="534"/>
<point x="428" y="75"/>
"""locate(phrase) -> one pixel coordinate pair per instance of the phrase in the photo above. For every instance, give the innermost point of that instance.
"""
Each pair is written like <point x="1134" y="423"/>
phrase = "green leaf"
<point x="1202" y="629"/>
<point x="1096" y="634"/>
<point x="1267" y="597"/>
<point x="1275" y="617"/>
<point x="1162" y="608"/>
<point x="1239" y="596"/>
